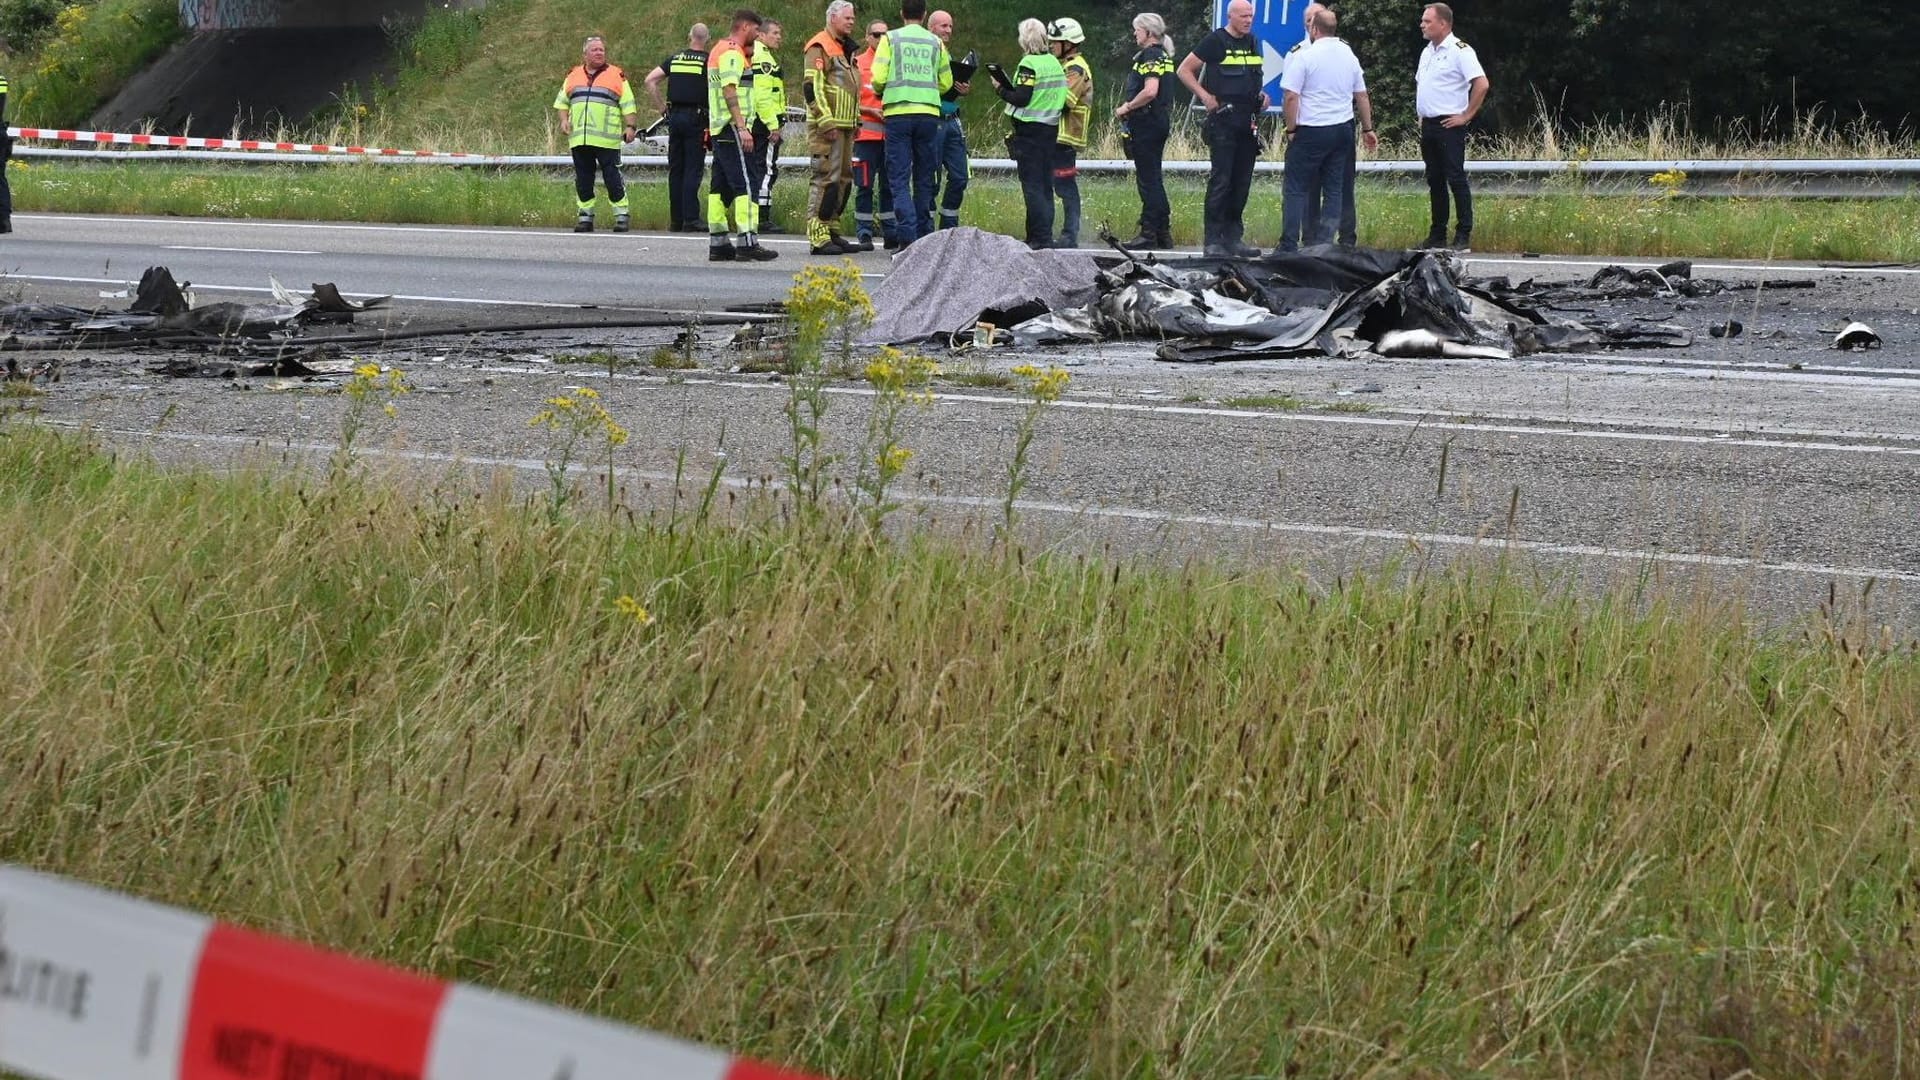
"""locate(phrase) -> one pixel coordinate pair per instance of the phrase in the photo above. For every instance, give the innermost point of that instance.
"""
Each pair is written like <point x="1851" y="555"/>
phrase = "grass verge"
<point x="924" y="810"/>
<point x="1570" y="222"/>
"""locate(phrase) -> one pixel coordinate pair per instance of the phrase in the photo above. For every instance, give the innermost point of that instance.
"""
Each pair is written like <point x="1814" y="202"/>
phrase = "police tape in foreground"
<point x="96" y="986"/>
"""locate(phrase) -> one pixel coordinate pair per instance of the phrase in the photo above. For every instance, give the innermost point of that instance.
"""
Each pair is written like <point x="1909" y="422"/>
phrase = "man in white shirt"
<point x="1349" y="231"/>
<point x="1448" y="92"/>
<point x="1325" y="90"/>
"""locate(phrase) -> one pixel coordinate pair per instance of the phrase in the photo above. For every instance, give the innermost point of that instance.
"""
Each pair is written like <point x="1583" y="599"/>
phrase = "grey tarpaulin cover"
<point x="943" y="282"/>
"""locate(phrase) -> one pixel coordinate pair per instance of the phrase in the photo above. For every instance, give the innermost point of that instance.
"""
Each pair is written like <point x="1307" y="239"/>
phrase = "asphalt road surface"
<point x="1769" y="469"/>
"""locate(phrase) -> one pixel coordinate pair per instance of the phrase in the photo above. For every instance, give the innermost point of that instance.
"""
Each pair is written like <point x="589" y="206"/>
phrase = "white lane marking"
<point x="743" y="316"/>
<point x="1118" y="513"/>
<point x="237" y="251"/>
<point x="1813" y="442"/>
<point x="1636" y="262"/>
<point x="506" y="231"/>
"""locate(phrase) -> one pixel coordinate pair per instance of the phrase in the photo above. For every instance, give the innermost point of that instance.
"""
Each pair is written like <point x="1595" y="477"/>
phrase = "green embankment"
<point x="912" y="809"/>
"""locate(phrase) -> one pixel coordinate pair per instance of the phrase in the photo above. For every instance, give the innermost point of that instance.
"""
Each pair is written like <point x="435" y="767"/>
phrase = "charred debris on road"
<point x="1319" y="302"/>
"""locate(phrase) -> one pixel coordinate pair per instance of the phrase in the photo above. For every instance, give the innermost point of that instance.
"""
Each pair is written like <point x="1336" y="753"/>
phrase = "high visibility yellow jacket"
<point x="599" y="104"/>
<point x="769" y="88"/>
<point x="727" y="66"/>
<point x="911" y="69"/>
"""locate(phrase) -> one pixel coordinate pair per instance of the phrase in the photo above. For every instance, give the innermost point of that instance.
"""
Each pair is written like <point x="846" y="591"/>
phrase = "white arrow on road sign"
<point x="1271" y="64"/>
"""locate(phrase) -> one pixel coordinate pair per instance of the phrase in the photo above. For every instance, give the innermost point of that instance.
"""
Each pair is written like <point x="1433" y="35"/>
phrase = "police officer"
<point x="870" y="155"/>
<point x="1449" y="89"/>
<point x="598" y="114"/>
<point x="911" y="69"/>
<point x="950" y="145"/>
<point x="1325" y="91"/>
<point x="1348" y="231"/>
<point x="1229" y="89"/>
<point x="1066" y="37"/>
<point x="832" y="93"/>
<point x="6" y="155"/>
<point x="685" y="107"/>
<point x="730" y="131"/>
<point x="1144" y="115"/>
<point x="769" y="115"/>
<point x="1036" y="96"/>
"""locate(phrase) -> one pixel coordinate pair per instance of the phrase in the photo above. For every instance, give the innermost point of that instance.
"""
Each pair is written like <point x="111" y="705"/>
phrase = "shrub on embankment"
<point x="82" y="55"/>
<point x="920" y="809"/>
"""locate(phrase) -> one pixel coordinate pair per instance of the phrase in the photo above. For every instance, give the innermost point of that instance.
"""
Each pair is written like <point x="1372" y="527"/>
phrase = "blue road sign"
<point x="1279" y="26"/>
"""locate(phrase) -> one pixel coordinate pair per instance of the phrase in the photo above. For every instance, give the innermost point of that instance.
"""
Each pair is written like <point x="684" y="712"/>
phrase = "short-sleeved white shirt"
<point x="1326" y="75"/>
<point x="1447" y="71"/>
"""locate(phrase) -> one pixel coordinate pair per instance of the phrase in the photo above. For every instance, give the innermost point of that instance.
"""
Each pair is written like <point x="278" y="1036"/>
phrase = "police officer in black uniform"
<point x="1230" y="90"/>
<point x="6" y="155"/>
<point x="685" y="107"/>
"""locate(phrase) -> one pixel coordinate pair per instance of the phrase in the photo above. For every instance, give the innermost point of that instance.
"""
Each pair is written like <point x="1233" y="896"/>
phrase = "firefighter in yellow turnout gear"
<point x="769" y="115"/>
<point x="730" y="117"/>
<point x="1065" y="37"/>
<point x="598" y="114"/>
<point x="832" y="93"/>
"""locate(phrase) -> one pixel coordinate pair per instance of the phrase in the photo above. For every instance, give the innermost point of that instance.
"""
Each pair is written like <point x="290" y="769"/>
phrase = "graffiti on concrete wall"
<point x="202" y="16"/>
<point x="198" y="15"/>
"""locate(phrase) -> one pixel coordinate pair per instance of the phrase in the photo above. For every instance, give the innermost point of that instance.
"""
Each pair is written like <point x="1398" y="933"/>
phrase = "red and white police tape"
<point x="96" y="986"/>
<point x="123" y="138"/>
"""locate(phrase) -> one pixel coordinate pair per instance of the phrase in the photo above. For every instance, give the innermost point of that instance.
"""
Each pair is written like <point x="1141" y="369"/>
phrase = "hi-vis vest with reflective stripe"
<point x="835" y="81"/>
<point x="598" y="105"/>
<point x="687" y="78"/>
<point x="1079" y="111"/>
<point x="1237" y="77"/>
<point x="908" y="69"/>
<point x="727" y="66"/>
<point x="769" y="87"/>
<point x="1043" y="72"/>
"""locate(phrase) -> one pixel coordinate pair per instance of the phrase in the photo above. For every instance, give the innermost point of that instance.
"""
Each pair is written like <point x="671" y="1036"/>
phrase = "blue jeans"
<point x="950" y="180"/>
<point x="910" y="168"/>
<point x="1066" y="184"/>
<point x="1316" y="174"/>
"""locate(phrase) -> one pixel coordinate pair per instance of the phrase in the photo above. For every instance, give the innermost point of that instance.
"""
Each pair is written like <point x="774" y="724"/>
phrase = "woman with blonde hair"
<point x="1144" y="116"/>
<point x="1036" y="95"/>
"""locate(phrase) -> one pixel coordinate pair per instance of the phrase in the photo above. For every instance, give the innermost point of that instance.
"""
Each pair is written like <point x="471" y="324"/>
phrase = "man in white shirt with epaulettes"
<point x="1449" y="89"/>
<point x="1325" y="89"/>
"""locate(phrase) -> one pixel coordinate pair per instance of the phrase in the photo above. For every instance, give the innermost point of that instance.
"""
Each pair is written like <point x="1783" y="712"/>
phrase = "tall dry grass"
<point x="914" y="809"/>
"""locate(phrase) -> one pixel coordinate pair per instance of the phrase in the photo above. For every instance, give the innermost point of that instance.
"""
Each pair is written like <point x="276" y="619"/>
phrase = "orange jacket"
<point x="873" y="127"/>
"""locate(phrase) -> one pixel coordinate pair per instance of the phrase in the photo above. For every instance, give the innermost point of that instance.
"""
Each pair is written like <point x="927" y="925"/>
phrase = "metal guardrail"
<point x="1777" y="169"/>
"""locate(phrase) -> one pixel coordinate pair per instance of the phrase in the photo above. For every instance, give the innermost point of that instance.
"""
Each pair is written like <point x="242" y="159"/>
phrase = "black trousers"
<point x="686" y="160"/>
<point x="6" y="192"/>
<point x="601" y="160"/>
<point x="1444" y="150"/>
<point x="763" y="168"/>
<point x="1032" y="153"/>
<point x="1146" y="144"/>
<point x="1232" y="149"/>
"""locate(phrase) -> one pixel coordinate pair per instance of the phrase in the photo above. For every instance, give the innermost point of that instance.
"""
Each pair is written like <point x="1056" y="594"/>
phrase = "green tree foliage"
<point x="1761" y="66"/>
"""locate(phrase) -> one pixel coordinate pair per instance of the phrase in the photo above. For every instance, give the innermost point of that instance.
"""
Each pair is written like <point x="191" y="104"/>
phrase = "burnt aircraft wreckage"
<point x="1320" y="301"/>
